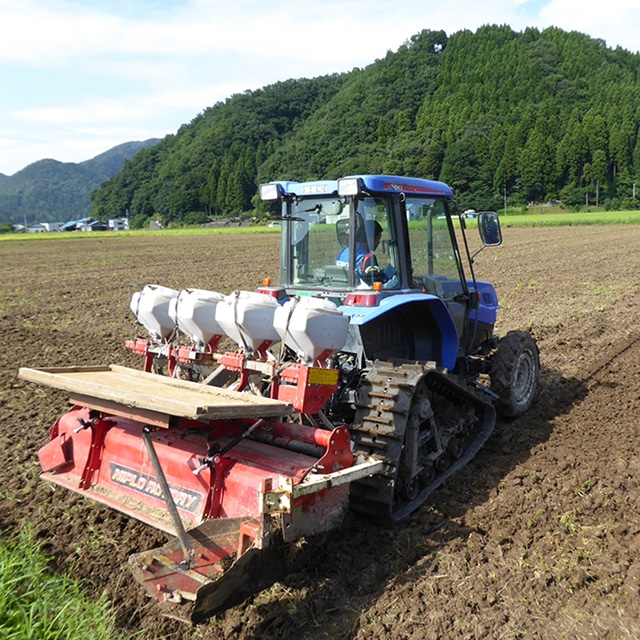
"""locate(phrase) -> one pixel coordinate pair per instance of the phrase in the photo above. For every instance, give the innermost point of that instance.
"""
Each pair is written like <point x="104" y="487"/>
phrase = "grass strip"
<point x="36" y="604"/>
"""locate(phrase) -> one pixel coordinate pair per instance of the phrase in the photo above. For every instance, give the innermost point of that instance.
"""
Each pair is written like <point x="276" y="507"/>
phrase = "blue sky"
<point x="79" y="77"/>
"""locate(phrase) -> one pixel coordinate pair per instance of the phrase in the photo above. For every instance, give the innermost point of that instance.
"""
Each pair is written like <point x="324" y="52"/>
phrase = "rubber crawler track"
<point x="383" y="410"/>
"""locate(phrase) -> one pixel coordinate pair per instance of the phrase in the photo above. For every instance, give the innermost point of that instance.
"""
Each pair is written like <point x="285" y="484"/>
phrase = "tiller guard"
<point x="225" y="570"/>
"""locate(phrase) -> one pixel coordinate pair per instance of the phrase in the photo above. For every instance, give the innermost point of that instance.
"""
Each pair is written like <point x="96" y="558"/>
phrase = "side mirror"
<point x="489" y="228"/>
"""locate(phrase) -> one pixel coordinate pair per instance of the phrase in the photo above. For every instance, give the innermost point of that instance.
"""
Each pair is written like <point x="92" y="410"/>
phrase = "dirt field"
<point x="538" y="538"/>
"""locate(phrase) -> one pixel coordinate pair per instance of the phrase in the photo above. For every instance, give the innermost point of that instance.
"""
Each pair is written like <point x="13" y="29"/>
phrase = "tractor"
<point x="362" y="381"/>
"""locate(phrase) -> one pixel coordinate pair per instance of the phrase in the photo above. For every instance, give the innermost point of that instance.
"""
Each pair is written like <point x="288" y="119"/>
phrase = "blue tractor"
<point x="422" y="374"/>
<point x="365" y="379"/>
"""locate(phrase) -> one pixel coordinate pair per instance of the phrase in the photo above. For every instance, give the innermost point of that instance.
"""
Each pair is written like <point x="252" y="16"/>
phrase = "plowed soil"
<point x="539" y="537"/>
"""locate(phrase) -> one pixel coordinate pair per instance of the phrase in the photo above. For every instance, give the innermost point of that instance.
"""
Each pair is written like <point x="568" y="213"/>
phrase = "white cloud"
<point x="615" y="21"/>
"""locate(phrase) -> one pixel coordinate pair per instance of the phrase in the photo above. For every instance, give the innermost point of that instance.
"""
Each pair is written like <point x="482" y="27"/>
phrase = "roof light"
<point x="271" y="191"/>
<point x="349" y="186"/>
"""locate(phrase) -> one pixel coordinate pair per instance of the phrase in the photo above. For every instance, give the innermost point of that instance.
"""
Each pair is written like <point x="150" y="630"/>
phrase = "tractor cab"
<point x="385" y="236"/>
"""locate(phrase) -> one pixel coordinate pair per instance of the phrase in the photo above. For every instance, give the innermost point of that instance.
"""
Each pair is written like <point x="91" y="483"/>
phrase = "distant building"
<point x="96" y="225"/>
<point x="74" y="225"/>
<point x="37" y="228"/>
<point x="41" y="227"/>
<point x="52" y="226"/>
<point x="118" y="224"/>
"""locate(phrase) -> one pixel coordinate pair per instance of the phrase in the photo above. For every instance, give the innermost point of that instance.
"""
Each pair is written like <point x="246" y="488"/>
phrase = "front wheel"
<point x="514" y="373"/>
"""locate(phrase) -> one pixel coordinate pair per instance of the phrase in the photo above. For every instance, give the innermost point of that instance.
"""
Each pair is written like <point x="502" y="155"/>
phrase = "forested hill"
<point x="53" y="191"/>
<point x="532" y="115"/>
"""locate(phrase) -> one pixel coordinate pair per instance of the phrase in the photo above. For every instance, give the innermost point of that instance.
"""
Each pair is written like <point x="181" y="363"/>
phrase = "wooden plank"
<point x="72" y="369"/>
<point x="158" y="394"/>
<point x="102" y="384"/>
<point x="177" y="390"/>
<point x="113" y="408"/>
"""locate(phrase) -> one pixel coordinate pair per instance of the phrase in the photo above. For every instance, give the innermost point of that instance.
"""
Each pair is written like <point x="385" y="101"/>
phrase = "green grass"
<point x="570" y="219"/>
<point x="523" y="220"/>
<point x="36" y="604"/>
<point x="186" y="231"/>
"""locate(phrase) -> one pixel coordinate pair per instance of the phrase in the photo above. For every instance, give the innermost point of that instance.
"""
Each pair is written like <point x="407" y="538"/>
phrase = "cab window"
<point x="433" y="267"/>
<point x="323" y="232"/>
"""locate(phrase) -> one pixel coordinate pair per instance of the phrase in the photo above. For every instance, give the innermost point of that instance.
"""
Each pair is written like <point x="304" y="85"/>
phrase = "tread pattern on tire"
<point x="502" y="371"/>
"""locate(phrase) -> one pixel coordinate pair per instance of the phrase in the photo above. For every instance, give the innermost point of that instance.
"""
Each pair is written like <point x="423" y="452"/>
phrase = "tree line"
<point x="528" y="116"/>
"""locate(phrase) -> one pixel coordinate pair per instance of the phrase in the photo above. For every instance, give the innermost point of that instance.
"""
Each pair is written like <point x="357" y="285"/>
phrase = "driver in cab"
<point x="367" y="241"/>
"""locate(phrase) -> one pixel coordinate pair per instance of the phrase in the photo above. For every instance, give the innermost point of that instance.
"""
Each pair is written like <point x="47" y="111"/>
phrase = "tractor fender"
<point x="419" y="306"/>
<point x="488" y="306"/>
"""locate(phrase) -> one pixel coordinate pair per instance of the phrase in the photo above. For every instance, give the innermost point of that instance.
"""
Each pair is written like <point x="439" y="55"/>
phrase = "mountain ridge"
<point x="49" y="190"/>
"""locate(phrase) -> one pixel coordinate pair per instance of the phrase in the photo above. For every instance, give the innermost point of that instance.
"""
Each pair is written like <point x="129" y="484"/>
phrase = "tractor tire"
<point x="514" y="373"/>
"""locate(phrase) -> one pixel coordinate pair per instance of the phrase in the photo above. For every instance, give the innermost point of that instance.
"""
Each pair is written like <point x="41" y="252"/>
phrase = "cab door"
<point x="434" y="264"/>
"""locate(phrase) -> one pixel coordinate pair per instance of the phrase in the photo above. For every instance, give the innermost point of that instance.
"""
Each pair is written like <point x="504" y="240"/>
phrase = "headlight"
<point x="349" y="186"/>
<point x="271" y="191"/>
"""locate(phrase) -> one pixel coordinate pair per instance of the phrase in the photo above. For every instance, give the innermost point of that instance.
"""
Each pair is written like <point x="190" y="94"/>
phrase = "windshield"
<point x="339" y="243"/>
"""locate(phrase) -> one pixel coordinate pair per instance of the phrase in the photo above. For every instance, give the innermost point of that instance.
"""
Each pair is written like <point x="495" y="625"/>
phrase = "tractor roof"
<point x="370" y="183"/>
